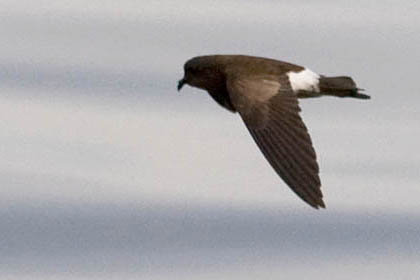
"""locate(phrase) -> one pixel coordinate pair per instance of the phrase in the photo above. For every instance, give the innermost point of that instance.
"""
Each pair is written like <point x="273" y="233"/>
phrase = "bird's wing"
<point x="270" y="111"/>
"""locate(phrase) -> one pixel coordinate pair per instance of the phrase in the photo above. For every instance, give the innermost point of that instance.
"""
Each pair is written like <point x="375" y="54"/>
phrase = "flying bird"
<point x="265" y="93"/>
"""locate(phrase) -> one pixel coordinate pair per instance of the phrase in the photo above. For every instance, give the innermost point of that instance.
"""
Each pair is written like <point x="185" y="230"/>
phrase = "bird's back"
<point x="254" y="65"/>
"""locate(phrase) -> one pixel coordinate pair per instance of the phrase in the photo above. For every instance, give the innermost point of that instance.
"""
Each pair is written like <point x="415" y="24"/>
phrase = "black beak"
<point x="181" y="83"/>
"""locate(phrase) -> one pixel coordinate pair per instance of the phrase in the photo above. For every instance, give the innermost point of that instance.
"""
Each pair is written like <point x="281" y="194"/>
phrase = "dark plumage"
<point x="265" y="93"/>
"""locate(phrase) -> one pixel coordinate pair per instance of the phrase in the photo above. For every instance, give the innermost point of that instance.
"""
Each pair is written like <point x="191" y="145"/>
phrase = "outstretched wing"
<point x="270" y="111"/>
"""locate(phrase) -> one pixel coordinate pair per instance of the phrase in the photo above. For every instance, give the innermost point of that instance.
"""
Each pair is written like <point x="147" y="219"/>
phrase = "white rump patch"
<point x="304" y="80"/>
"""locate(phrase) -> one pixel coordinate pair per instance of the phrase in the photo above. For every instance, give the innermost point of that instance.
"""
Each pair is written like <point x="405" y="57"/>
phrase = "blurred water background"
<point x="107" y="172"/>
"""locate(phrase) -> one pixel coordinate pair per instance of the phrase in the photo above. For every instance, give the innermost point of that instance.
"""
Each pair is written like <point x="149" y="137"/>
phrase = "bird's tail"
<point x="341" y="87"/>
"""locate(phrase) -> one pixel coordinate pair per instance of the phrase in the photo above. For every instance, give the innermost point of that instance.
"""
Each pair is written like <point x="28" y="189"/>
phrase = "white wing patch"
<point x="306" y="80"/>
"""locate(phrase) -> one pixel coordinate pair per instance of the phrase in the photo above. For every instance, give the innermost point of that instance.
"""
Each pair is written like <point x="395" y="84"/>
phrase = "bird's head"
<point x="202" y="72"/>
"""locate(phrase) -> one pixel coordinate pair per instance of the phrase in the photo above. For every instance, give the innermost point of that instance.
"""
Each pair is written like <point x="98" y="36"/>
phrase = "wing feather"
<point x="271" y="113"/>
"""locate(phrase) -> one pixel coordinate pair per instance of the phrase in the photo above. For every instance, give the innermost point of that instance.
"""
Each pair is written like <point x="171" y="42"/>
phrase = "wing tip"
<point x="318" y="204"/>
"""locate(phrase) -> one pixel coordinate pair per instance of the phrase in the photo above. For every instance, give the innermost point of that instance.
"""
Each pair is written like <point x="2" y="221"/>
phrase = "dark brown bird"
<point x="265" y="93"/>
